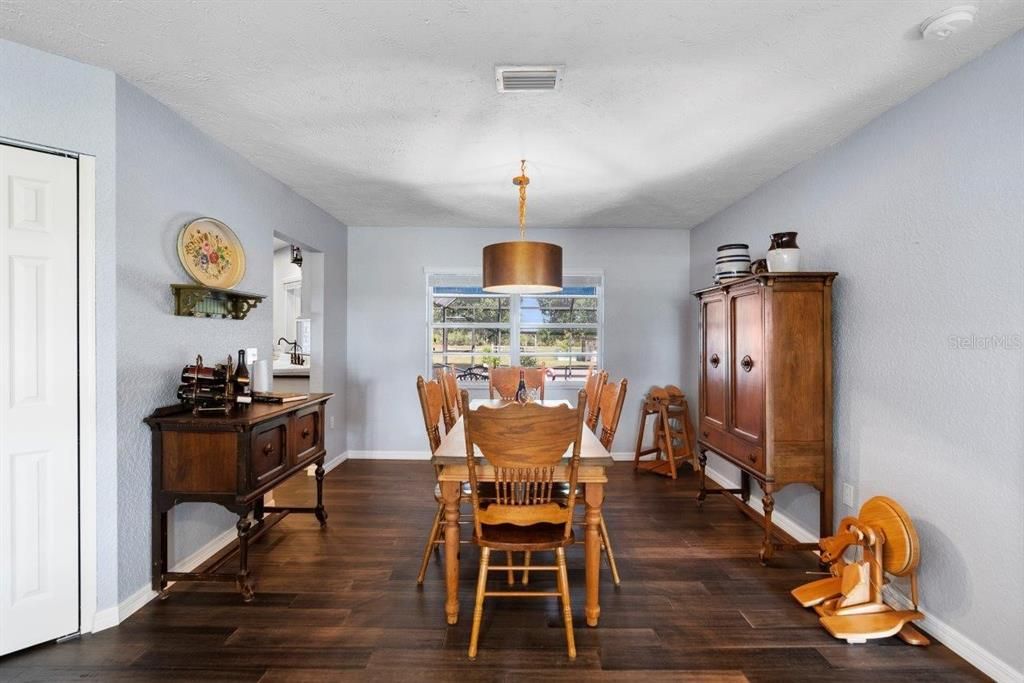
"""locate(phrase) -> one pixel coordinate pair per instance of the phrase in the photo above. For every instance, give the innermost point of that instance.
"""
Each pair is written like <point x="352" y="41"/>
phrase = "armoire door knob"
<point x="715" y="360"/>
<point x="747" y="363"/>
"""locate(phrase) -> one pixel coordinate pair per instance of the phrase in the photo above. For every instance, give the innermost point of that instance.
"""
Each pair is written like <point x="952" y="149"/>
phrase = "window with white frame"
<point x="472" y="330"/>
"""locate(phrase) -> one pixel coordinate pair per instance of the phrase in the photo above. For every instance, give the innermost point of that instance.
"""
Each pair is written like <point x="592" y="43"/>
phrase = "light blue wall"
<point x="922" y="214"/>
<point x="646" y="278"/>
<point x="52" y="101"/>
<point x="167" y="174"/>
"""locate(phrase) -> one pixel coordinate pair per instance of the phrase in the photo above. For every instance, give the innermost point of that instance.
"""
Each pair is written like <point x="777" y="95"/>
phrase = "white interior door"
<point x="38" y="398"/>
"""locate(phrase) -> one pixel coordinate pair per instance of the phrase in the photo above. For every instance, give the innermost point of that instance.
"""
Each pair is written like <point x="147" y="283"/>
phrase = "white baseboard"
<point x="975" y="654"/>
<point x="328" y="464"/>
<point x="112" y="616"/>
<point x="425" y="455"/>
<point x="780" y="519"/>
<point x="387" y="455"/>
<point x="105" y="618"/>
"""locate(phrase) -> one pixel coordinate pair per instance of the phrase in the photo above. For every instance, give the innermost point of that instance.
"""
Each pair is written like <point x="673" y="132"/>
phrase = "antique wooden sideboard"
<point x="765" y="401"/>
<point x="232" y="460"/>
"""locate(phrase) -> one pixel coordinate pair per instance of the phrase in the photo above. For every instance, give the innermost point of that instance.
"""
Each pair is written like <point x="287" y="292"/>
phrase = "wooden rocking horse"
<point x="673" y="432"/>
<point x="850" y="601"/>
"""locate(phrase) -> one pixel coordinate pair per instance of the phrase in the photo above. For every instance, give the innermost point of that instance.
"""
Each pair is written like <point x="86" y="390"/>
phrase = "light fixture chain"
<point x="522" y="181"/>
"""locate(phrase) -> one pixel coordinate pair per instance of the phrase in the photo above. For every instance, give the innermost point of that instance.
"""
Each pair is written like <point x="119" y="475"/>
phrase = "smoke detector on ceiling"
<point x="946" y="23"/>
<point x="528" y="78"/>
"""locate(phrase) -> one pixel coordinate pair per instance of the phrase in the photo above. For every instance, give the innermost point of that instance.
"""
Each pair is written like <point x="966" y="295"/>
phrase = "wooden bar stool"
<point x="673" y="432"/>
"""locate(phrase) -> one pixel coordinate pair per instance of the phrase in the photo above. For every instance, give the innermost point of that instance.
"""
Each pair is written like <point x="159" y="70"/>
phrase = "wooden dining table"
<point x="451" y="459"/>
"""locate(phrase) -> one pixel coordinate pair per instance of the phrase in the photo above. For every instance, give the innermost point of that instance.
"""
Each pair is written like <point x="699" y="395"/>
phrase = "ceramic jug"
<point x="783" y="254"/>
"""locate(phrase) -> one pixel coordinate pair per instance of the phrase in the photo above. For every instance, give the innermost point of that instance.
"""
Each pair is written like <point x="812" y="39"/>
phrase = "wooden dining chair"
<point x="431" y="401"/>
<point x="503" y="382"/>
<point x="524" y="445"/>
<point x="450" y="387"/>
<point x="612" y="397"/>
<point x="595" y="381"/>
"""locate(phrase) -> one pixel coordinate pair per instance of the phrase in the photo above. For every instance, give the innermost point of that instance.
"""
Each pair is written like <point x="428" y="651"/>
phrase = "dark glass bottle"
<point x="242" y="391"/>
<point x="521" y="396"/>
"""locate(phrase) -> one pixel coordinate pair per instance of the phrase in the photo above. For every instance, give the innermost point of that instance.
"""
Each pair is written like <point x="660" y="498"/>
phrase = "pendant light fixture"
<point x="522" y="267"/>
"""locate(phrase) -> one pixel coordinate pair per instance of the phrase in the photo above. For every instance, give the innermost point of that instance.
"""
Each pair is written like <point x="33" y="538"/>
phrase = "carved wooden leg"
<point x="745" y="488"/>
<point x="594" y="495"/>
<point x="159" y="551"/>
<point x="451" y="493"/>
<point x="438" y="516"/>
<point x="563" y="588"/>
<point x="767" y="548"/>
<point x="257" y="510"/>
<point x="703" y="493"/>
<point x="478" y="608"/>
<point x="321" y="513"/>
<point x="243" y="579"/>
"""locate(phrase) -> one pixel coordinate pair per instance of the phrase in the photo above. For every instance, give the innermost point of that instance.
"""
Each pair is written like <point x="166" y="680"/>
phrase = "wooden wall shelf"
<point x="198" y="301"/>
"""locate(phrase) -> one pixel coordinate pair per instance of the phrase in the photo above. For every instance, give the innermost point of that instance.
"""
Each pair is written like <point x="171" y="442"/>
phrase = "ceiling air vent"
<point x="528" y="78"/>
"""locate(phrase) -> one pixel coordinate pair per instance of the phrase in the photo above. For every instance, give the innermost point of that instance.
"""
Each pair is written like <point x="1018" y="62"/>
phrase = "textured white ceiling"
<point x="386" y="113"/>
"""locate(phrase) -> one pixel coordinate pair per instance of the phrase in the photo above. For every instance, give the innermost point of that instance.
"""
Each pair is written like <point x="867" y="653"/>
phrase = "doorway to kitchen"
<point x="298" y="303"/>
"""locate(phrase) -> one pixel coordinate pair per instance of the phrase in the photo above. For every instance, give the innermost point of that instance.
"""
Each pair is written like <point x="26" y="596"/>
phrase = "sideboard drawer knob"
<point x="752" y="457"/>
<point x="268" y="448"/>
<point x="305" y="432"/>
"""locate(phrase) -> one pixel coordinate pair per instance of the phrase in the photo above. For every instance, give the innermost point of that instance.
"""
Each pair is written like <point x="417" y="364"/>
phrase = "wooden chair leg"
<point x="478" y="609"/>
<point x="431" y="543"/>
<point x="606" y="541"/>
<point x="511" y="574"/>
<point x="563" y="588"/>
<point x="526" y="563"/>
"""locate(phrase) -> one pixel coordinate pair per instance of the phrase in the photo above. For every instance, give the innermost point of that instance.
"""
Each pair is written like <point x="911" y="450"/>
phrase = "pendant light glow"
<point x="522" y="267"/>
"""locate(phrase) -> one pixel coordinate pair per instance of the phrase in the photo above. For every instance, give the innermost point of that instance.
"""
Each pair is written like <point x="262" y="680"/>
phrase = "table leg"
<point x="321" y="513"/>
<point x="243" y="578"/>
<point x="594" y="495"/>
<point x="451" y="492"/>
<point x="159" y="552"/>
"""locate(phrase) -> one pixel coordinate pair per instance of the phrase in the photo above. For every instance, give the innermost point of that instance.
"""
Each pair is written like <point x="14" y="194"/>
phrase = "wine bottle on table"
<point x="243" y="393"/>
<point x="204" y="375"/>
<point x="521" y="396"/>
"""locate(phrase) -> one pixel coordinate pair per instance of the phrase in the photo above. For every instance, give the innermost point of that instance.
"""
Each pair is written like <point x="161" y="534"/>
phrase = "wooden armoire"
<point x="765" y="400"/>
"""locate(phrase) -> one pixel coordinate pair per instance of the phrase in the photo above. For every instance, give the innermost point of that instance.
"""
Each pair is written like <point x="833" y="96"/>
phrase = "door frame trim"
<point x="87" y="412"/>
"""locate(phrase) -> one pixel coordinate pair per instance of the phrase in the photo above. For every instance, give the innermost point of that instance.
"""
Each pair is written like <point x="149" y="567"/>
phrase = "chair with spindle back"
<point x="594" y="383"/>
<point x="450" y="387"/>
<point x="612" y="397"/>
<point x="503" y="382"/>
<point x="524" y="445"/>
<point x="431" y="401"/>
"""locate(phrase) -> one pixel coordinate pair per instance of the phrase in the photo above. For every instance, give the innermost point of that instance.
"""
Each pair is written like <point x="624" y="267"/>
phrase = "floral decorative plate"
<point x="211" y="253"/>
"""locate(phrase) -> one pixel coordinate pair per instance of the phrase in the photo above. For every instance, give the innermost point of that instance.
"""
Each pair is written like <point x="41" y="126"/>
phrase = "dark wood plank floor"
<point x="343" y="605"/>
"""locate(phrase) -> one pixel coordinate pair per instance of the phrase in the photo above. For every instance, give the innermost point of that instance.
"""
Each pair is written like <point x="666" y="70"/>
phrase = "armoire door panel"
<point x="746" y="364"/>
<point x="797" y="352"/>
<point x="714" y="396"/>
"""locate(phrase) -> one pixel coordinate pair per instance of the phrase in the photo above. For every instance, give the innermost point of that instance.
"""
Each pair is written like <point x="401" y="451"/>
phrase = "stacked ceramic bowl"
<point x="732" y="262"/>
